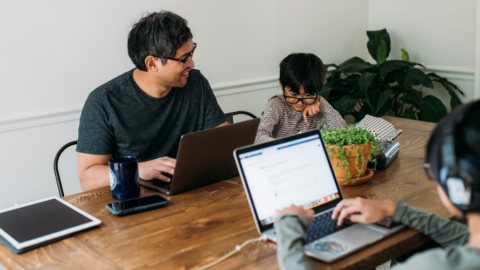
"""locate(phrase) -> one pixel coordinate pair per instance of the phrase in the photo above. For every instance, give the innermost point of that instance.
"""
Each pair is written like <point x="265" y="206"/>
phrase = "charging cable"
<point x="237" y="248"/>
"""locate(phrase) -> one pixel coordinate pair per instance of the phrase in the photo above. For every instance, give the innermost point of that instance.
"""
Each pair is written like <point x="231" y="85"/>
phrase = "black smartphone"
<point x="137" y="205"/>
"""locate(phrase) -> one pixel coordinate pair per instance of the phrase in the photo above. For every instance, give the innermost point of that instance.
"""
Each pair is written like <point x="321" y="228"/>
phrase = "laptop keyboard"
<point x="324" y="225"/>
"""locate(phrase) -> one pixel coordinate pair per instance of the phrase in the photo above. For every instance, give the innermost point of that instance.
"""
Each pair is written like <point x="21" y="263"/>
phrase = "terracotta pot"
<point x="351" y="153"/>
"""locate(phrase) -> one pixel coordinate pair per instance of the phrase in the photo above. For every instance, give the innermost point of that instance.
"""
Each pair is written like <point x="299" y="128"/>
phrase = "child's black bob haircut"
<point x="302" y="69"/>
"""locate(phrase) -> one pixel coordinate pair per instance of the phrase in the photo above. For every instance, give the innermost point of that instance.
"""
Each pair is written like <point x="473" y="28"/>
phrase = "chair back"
<point x="230" y="115"/>
<point x="55" y="167"/>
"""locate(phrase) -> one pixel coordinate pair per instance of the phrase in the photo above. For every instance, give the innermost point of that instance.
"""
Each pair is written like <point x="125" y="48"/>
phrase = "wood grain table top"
<point x="201" y="225"/>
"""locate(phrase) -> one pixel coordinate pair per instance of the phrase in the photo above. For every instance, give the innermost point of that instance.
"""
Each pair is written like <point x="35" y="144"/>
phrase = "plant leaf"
<point x="454" y="100"/>
<point x="360" y="114"/>
<point x="334" y="95"/>
<point x="394" y="76"/>
<point x="391" y="113"/>
<point x="405" y="56"/>
<point x="381" y="52"/>
<point x="345" y="104"/>
<point x="432" y="109"/>
<point x="383" y="98"/>
<point x="417" y="77"/>
<point x="374" y="95"/>
<point x="355" y="64"/>
<point x="391" y="65"/>
<point x="410" y="114"/>
<point x="444" y="81"/>
<point x="356" y="92"/>
<point x="386" y="109"/>
<point x="364" y="83"/>
<point x="351" y="80"/>
<point x="326" y="90"/>
<point x="374" y="42"/>
<point x="413" y="97"/>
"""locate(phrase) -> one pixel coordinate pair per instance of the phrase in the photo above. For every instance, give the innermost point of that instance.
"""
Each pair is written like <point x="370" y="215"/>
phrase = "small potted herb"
<point x="350" y="149"/>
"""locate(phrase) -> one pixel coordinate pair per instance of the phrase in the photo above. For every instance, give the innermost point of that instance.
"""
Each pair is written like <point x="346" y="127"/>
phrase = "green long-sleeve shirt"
<point x="449" y="234"/>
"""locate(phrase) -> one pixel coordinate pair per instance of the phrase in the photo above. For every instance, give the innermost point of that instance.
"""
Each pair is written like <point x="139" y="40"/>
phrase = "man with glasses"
<point x="301" y="107"/>
<point x="144" y="111"/>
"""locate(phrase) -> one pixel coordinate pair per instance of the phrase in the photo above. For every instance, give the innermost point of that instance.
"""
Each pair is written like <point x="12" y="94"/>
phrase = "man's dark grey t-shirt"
<point x="118" y="118"/>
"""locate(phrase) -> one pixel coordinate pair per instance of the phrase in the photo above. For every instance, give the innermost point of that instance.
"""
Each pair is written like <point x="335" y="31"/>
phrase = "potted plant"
<point x="350" y="149"/>
<point x="389" y="87"/>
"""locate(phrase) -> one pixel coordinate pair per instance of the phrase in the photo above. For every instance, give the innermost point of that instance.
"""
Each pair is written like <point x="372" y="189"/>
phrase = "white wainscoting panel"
<point x="222" y="90"/>
<point x="29" y="143"/>
<point x="59" y="115"/>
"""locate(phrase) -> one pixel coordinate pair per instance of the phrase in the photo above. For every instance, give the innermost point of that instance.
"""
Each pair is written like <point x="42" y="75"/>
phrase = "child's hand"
<point x="312" y="110"/>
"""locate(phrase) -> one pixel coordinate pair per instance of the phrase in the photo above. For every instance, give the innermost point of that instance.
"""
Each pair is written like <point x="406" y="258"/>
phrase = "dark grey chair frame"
<point x="55" y="167"/>
<point x="230" y="115"/>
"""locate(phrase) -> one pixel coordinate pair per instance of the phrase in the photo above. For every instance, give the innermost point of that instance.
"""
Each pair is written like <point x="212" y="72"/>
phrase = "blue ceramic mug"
<point x="124" y="177"/>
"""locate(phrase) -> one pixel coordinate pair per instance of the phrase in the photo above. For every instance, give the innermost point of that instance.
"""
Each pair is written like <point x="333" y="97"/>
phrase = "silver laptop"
<point x="205" y="157"/>
<point x="296" y="170"/>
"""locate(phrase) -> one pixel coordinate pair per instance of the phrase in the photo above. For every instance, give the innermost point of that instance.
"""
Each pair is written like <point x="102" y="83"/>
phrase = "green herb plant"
<point x="389" y="87"/>
<point x="350" y="136"/>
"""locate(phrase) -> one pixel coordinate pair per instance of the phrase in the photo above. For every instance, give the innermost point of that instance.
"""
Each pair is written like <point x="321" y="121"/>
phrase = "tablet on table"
<point x="42" y="222"/>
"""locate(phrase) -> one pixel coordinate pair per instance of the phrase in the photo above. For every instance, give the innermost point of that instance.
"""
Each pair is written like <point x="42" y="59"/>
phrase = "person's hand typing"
<point x="362" y="210"/>
<point x="152" y="169"/>
<point x="312" y="110"/>
<point x="292" y="209"/>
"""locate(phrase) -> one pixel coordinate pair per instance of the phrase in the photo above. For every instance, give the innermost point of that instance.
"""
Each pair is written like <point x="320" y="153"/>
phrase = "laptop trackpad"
<point x="357" y="235"/>
<point x="341" y="243"/>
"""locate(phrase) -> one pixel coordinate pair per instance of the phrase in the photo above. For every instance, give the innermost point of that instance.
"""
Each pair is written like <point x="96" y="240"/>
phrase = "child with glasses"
<point x="300" y="107"/>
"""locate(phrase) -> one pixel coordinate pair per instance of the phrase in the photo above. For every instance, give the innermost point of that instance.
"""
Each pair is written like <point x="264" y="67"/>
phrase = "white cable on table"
<point x="237" y="248"/>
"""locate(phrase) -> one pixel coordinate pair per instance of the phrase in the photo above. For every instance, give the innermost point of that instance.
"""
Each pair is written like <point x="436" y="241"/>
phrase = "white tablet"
<point x="43" y="220"/>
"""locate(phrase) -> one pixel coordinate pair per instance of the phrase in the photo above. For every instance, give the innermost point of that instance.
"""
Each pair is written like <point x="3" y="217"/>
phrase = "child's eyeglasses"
<point x="305" y="101"/>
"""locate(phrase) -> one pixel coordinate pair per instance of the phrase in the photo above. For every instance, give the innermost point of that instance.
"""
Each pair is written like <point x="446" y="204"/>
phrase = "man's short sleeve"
<point x="214" y="115"/>
<point x="95" y="135"/>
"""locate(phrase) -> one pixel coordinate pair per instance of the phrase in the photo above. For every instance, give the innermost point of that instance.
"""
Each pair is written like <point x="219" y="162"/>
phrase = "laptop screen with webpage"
<point x="289" y="171"/>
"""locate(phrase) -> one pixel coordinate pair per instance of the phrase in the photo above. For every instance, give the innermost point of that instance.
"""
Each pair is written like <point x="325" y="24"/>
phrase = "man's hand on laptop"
<point x="152" y="169"/>
<point x="292" y="209"/>
<point x="362" y="210"/>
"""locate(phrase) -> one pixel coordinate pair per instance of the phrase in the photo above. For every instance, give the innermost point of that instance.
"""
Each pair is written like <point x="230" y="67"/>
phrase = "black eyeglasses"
<point x="294" y="100"/>
<point x="187" y="59"/>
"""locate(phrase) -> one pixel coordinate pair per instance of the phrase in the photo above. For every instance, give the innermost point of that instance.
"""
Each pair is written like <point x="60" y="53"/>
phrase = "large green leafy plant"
<point x="389" y="87"/>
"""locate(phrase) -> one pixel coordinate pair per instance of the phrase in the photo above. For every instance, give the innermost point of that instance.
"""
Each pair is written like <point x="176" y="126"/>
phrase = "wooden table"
<point x="201" y="225"/>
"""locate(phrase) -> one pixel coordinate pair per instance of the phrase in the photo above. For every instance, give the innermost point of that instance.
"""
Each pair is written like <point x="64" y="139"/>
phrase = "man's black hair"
<point x="466" y="136"/>
<point x="158" y="34"/>
<point x="302" y="69"/>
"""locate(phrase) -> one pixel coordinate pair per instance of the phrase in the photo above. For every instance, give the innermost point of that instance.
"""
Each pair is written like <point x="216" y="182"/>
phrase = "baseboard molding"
<point x="73" y="113"/>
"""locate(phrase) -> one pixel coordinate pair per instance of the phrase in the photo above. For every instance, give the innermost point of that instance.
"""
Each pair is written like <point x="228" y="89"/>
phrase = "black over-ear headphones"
<point x="460" y="169"/>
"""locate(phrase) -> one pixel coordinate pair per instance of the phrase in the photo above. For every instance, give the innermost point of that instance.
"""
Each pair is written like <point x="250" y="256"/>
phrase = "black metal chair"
<point x="55" y="166"/>
<point x="230" y="115"/>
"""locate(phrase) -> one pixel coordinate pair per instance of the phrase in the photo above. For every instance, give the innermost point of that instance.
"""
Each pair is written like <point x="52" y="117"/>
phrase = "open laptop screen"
<point x="291" y="172"/>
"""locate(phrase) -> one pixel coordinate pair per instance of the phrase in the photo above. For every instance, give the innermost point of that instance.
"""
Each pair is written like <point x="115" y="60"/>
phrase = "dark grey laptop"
<point x="296" y="170"/>
<point x="205" y="157"/>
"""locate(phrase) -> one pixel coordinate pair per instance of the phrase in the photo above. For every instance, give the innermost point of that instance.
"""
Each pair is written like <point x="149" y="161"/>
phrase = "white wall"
<point x="438" y="34"/>
<point x="54" y="53"/>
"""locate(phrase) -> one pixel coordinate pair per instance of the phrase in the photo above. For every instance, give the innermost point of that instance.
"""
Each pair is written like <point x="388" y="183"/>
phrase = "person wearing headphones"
<point x="453" y="161"/>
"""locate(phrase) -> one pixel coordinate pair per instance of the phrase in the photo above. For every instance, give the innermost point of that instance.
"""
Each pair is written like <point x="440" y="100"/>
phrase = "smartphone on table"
<point x="130" y="206"/>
